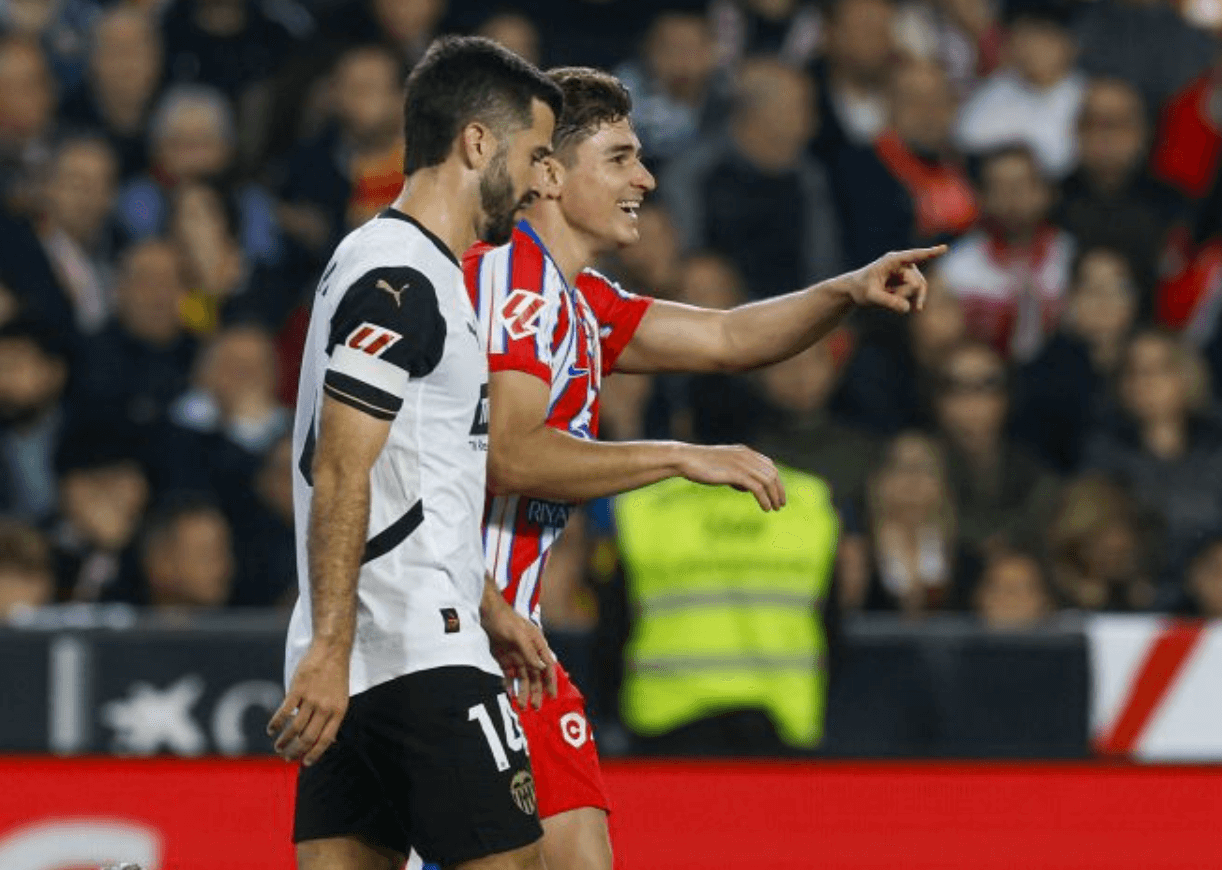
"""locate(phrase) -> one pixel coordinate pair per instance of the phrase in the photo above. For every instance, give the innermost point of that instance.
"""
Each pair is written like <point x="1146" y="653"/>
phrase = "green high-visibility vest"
<point x="726" y="600"/>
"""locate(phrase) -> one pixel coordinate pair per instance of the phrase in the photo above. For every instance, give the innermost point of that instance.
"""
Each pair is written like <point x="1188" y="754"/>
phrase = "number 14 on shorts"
<point x="515" y="740"/>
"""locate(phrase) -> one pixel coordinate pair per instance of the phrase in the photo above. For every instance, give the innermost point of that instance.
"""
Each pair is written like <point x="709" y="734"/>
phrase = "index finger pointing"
<point x="919" y="255"/>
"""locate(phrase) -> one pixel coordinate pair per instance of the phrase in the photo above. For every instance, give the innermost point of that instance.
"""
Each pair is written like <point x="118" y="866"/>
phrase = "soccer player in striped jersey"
<point x="399" y="644"/>
<point x="554" y="329"/>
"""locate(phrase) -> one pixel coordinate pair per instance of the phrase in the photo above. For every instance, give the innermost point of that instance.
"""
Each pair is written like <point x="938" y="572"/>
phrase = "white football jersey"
<point x="393" y="334"/>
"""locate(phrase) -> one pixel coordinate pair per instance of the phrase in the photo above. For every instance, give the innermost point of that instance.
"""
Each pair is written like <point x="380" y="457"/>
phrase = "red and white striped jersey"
<point x="568" y="337"/>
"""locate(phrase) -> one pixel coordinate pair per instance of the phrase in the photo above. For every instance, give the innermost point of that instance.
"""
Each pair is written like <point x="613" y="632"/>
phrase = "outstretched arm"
<point x="528" y="457"/>
<point x="675" y="337"/>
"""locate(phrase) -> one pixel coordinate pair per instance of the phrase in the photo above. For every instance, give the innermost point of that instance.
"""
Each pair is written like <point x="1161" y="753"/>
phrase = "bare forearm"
<point x="547" y="463"/>
<point x="761" y="333"/>
<point x="339" y="523"/>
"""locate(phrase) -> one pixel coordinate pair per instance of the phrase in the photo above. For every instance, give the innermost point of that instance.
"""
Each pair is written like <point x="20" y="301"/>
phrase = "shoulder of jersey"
<point x="591" y="280"/>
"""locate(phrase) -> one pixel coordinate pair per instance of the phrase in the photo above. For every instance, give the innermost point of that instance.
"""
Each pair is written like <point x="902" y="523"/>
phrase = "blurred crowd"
<point x="1044" y="436"/>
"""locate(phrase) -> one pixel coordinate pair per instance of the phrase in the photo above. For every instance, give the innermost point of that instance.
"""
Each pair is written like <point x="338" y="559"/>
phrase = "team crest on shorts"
<point x="522" y="790"/>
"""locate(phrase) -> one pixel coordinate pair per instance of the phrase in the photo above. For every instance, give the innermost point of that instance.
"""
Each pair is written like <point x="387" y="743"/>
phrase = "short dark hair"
<point x="591" y="98"/>
<point x="462" y="79"/>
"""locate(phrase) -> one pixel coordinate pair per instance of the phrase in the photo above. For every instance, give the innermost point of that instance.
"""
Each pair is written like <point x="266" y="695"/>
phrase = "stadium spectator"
<point x="1001" y="491"/>
<point x="1203" y="586"/>
<point x="799" y="432"/>
<point x="1188" y="148"/>
<point x="1061" y="394"/>
<point x="33" y="377"/>
<point x="103" y="493"/>
<point x="263" y="532"/>
<point x="908" y="187"/>
<point x="1035" y="98"/>
<point x="1186" y="298"/>
<point x="27" y="116"/>
<point x="142" y="359"/>
<point x="720" y="408"/>
<point x="888" y="383"/>
<point x="852" y="76"/>
<point x="677" y="93"/>
<point x="1013" y="592"/>
<point x="61" y="27"/>
<point x="76" y="230"/>
<point x="1012" y="272"/>
<point x="215" y="268"/>
<point x="1146" y="43"/>
<point x="1166" y="447"/>
<point x="786" y="29"/>
<point x="516" y="32"/>
<point x="354" y="167"/>
<point x="192" y="137"/>
<point x="125" y="74"/>
<point x="405" y="27"/>
<point x="756" y="196"/>
<point x="1100" y="548"/>
<point x="231" y="45"/>
<point x="964" y="37"/>
<point x="26" y="576"/>
<point x="233" y="394"/>
<point x="902" y="554"/>
<point x="597" y="33"/>
<point x="1110" y="199"/>
<point x="187" y="557"/>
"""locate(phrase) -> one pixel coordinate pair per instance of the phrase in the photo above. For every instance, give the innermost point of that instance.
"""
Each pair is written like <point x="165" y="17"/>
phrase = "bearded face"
<point x="498" y="200"/>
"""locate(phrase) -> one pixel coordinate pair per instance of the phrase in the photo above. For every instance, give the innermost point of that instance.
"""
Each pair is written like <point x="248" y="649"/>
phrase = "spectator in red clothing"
<point x="909" y="188"/>
<point x="1012" y="272"/>
<point x="1189" y="141"/>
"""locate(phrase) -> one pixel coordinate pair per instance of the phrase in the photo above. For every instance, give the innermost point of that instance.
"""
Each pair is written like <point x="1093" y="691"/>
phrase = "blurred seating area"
<point x="1044" y="437"/>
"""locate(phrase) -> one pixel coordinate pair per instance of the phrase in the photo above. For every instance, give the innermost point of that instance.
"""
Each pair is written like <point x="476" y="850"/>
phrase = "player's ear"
<point x="551" y="180"/>
<point x="476" y="144"/>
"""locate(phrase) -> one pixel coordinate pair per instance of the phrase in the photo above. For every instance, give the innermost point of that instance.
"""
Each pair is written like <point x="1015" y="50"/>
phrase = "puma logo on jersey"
<point x="521" y="313"/>
<point x="373" y="340"/>
<point x="397" y="295"/>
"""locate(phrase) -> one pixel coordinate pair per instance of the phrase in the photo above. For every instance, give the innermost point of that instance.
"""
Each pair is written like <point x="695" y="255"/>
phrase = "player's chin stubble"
<point x="497" y="201"/>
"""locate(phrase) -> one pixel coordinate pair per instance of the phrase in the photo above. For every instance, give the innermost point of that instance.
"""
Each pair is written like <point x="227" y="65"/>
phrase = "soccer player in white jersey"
<point x="554" y="329"/>
<point x="395" y="699"/>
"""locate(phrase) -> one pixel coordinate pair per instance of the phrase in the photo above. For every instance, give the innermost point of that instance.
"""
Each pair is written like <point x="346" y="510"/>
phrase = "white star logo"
<point x="151" y="718"/>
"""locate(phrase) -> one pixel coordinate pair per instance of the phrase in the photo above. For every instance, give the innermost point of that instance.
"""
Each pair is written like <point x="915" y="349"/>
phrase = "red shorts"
<point x="562" y="752"/>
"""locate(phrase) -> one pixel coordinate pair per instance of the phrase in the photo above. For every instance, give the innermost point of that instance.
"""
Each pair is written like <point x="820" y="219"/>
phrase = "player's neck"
<point x="568" y="247"/>
<point x="444" y="202"/>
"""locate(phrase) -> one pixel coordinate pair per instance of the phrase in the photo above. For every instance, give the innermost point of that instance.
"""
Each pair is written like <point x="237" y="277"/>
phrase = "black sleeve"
<point x="387" y="329"/>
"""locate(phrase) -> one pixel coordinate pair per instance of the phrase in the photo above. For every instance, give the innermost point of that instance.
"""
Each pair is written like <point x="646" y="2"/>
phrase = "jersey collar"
<point x="395" y="214"/>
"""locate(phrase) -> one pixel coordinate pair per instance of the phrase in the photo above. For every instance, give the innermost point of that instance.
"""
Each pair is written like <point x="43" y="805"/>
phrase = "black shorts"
<point x="434" y="760"/>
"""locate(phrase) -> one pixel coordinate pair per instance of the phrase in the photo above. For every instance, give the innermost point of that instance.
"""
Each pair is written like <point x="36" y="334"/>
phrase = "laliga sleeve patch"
<point x="372" y="339"/>
<point x="392" y="313"/>
<point x="521" y="313"/>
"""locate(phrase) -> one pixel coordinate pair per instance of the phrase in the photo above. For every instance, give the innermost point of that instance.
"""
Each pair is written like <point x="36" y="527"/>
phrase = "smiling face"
<point x="605" y="186"/>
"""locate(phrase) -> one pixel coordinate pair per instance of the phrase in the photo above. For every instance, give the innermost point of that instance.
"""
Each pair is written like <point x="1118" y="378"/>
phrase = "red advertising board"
<point x="63" y="814"/>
